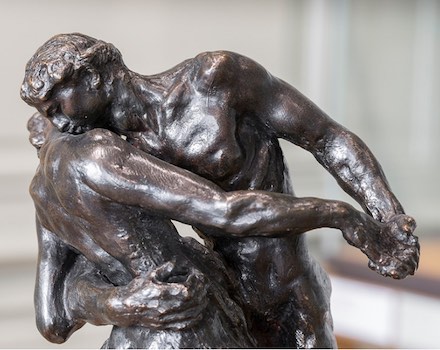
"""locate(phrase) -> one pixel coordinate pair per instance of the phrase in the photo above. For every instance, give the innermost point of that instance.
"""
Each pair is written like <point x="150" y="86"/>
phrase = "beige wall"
<point x="369" y="64"/>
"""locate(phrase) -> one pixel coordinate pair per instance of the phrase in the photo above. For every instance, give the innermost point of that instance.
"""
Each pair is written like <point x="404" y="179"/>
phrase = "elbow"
<point x="240" y="219"/>
<point x="55" y="326"/>
<point x="232" y="227"/>
<point x="54" y="330"/>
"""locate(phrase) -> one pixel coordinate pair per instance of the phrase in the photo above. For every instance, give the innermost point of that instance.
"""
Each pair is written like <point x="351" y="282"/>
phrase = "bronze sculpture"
<point x="219" y="116"/>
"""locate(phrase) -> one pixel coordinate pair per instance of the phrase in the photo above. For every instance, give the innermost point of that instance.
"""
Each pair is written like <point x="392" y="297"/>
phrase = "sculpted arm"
<point x="55" y="260"/>
<point x="283" y="112"/>
<point x="116" y="170"/>
<point x="71" y="291"/>
<point x="286" y="113"/>
<point x="290" y="115"/>
<point x="122" y="173"/>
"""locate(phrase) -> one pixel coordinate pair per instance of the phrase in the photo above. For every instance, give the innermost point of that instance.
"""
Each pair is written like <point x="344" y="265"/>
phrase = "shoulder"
<point x="97" y="151"/>
<point x="98" y="142"/>
<point x="99" y="136"/>
<point x="217" y="60"/>
<point x="225" y="59"/>
<point x="92" y="151"/>
<point x="226" y="68"/>
<point x="218" y="66"/>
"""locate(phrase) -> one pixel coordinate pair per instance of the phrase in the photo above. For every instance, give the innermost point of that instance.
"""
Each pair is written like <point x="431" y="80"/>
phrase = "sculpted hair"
<point x="59" y="58"/>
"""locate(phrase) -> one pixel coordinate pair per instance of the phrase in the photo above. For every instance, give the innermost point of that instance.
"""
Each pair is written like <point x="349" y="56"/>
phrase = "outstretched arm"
<point x="348" y="159"/>
<point x="286" y="113"/>
<point x="290" y="115"/>
<point x="282" y="111"/>
<point x="123" y="174"/>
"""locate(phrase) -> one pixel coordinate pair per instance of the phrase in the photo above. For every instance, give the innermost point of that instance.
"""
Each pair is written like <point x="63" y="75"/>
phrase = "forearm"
<point x="358" y="172"/>
<point x="260" y="213"/>
<point x="149" y="300"/>
<point x="295" y="118"/>
<point x="87" y="296"/>
<point x="54" y="261"/>
<point x="163" y="189"/>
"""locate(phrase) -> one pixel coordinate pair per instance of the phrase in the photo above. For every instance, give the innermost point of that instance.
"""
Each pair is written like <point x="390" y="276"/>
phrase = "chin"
<point x="78" y="129"/>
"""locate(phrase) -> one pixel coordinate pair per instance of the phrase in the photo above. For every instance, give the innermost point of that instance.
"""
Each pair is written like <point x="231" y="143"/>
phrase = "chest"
<point x="198" y="134"/>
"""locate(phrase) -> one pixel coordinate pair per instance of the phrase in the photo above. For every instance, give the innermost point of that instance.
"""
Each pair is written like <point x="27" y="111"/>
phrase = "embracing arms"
<point x="282" y="111"/>
<point x="122" y="173"/>
<point x="286" y="113"/>
<point x="71" y="291"/>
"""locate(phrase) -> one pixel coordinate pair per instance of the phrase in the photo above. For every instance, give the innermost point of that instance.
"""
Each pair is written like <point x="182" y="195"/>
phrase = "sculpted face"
<point x="75" y="106"/>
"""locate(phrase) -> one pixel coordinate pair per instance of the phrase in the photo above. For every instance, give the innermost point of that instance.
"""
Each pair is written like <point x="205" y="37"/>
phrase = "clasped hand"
<point x="391" y="247"/>
<point x="169" y="297"/>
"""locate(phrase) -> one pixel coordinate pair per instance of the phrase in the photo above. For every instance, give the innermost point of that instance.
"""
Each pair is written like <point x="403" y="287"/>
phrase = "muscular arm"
<point x="123" y="174"/>
<point x="55" y="260"/>
<point x="340" y="151"/>
<point x="70" y="291"/>
<point x="116" y="170"/>
<point x="281" y="110"/>
<point x="290" y="115"/>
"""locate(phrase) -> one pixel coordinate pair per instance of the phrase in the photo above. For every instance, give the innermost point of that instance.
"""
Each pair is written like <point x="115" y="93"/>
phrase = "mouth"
<point x="71" y="128"/>
<point x="79" y="129"/>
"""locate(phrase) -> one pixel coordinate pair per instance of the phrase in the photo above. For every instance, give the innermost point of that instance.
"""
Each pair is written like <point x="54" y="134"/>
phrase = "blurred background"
<point x="371" y="65"/>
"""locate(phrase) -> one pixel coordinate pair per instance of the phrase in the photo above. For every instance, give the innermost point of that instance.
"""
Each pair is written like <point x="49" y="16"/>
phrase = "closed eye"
<point x="50" y="111"/>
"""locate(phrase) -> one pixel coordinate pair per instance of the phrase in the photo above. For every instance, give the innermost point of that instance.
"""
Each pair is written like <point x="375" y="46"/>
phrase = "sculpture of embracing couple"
<point x="122" y="154"/>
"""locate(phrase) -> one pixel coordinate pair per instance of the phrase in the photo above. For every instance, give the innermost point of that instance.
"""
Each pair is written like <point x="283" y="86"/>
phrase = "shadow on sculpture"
<point x="125" y="153"/>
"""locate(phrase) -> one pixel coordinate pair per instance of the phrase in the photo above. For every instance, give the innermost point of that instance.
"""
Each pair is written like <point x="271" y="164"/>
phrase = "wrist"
<point x="342" y="215"/>
<point x="350" y="222"/>
<point x="87" y="303"/>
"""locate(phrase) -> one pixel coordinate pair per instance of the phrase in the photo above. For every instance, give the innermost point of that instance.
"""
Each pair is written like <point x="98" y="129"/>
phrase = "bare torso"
<point x="202" y="125"/>
<point x="125" y="242"/>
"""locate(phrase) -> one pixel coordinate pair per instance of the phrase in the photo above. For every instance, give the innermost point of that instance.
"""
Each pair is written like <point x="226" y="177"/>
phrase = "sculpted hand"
<point x="392" y="248"/>
<point x="169" y="297"/>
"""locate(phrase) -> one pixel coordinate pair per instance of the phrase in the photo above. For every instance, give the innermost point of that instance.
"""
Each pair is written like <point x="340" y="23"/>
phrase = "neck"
<point x="136" y="102"/>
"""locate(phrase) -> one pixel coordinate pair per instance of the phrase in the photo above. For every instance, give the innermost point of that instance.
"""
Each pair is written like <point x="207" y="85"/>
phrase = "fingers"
<point x="162" y="272"/>
<point x="167" y="298"/>
<point x="196" y="282"/>
<point x="388" y="271"/>
<point x="175" y="325"/>
<point x="158" y="312"/>
<point x="395" y="252"/>
<point x="397" y="267"/>
<point x="188" y="317"/>
<point x="191" y="285"/>
<point x="402" y="227"/>
<point x="407" y="223"/>
<point x="173" y="314"/>
<point x="410" y="225"/>
<point x="171" y="296"/>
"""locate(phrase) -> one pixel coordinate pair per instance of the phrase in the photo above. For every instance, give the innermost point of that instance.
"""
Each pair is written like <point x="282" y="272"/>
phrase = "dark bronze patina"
<point x="198" y="144"/>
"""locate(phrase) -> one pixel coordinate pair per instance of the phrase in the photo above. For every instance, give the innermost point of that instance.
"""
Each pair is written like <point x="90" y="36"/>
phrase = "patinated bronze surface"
<point x="198" y="144"/>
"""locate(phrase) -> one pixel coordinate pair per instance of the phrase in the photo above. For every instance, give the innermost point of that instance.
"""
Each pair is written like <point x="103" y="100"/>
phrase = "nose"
<point x="45" y="108"/>
<point x="60" y="122"/>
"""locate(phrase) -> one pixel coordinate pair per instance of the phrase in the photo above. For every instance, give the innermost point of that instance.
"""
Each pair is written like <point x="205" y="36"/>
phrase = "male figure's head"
<point x="69" y="80"/>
